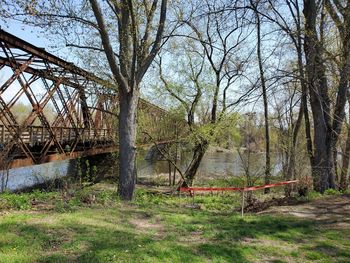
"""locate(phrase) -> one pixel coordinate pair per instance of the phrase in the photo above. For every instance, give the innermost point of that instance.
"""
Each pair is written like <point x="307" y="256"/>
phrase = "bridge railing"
<point x="39" y="134"/>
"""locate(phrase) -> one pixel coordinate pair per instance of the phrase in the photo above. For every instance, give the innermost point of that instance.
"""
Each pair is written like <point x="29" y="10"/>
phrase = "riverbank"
<point x="91" y="225"/>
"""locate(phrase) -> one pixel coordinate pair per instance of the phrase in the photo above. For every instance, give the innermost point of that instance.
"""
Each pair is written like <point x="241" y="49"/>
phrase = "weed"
<point x="105" y="197"/>
<point x="313" y="195"/>
<point x="15" y="201"/>
<point x="331" y="192"/>
<point x="62" y="206"/>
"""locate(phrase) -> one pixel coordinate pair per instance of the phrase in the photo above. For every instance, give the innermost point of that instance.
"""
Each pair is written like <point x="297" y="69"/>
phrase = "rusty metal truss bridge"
<point x="52" y="110"/>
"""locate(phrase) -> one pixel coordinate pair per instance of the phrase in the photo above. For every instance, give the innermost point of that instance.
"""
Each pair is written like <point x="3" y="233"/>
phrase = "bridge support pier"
<point x="21" y="178"/>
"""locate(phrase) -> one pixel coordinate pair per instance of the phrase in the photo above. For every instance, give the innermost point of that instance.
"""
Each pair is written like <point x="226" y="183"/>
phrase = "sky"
<point x="25" y="32"/>
<point x="30" y="35"/>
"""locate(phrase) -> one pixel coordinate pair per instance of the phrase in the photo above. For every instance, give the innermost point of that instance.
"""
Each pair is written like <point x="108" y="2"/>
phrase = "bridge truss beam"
<point x="71" y="113"/>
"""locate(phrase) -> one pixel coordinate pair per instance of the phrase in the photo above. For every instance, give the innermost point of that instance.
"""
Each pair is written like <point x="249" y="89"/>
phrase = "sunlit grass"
<point x="157" y="228"/>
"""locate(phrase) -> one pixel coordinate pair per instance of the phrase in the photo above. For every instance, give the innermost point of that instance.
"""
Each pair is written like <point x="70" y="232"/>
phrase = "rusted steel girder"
<point x="83" y="103"/>
<point x="63" y="86"/>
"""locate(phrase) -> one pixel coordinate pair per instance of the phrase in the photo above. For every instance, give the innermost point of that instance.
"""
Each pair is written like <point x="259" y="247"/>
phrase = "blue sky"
<point x="30" y="35"/>
<point x="25" y="32"/>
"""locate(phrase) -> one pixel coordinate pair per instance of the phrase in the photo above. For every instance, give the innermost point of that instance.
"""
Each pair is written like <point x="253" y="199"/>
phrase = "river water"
<point x="215" y="164"/>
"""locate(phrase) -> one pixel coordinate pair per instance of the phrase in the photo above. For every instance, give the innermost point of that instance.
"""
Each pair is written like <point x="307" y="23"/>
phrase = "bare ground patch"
<point x="333" y="211"/>
<point x="148" y="225"/>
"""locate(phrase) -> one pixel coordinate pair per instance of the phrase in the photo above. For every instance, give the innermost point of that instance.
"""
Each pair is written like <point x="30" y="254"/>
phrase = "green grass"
<point x="157" y="228"/>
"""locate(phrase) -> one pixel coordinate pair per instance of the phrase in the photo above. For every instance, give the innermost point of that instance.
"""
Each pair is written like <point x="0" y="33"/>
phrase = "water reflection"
<point x="218" y="164"/>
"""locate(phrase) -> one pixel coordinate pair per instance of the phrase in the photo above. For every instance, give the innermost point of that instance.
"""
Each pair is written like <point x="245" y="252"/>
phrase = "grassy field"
<point x="91" y="225"/>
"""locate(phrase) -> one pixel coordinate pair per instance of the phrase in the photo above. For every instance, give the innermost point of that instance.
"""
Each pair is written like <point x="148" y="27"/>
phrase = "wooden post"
<point x="169" y="170"/>
<point x="174" y="176"/>
<point x="176" y="136"/>
<point x="242" y="212"/>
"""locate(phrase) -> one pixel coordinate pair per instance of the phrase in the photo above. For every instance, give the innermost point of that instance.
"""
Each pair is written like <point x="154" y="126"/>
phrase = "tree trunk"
<point x="266" y="108"/>
<point x="198" y="154"/>
<point x="304" y="101"/>
<point x="343" y="184"/>
<point x="319" y="100"/>
<point x="127" y="149"/>
<point x="290" y="174"/>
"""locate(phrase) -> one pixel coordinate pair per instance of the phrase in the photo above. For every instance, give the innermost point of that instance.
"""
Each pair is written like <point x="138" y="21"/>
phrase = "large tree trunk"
<point x="322" y="154"/>
<point x="127" y="149"/>
<point x="339" y="112"/>
<point x="128" y="70"/>
<point x="319" y="100"/>
<point x="198" y="154"/>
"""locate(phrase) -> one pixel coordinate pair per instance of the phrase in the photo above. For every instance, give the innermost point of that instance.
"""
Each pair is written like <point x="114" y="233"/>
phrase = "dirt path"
<point x="333" y="211"/>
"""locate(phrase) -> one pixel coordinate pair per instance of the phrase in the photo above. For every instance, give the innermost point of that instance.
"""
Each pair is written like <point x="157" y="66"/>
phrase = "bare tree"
<point x="136" y="54"/>
<point x="216" y="38"/>
<point x="339" y="12"/>
<point x="264" y="93"/>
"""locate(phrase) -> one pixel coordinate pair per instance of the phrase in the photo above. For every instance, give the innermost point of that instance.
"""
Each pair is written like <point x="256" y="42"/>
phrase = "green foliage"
<point x="13" y="201"/>
<point x="312" y="195"/>
<point x="166" y="126"/>
<point x="42" y="195"/>
<point x="93" y="173"/>
<point x="85" y="172"/>
<point x="62" y="206"/>
<point x="107" y="197"/>
<point x="331" y="192"/>
<point x="224" y="133"/>
<point x="79" y="170"/>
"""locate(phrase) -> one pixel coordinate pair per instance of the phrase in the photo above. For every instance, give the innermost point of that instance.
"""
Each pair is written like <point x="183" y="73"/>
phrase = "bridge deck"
<point x="33" y="135"/>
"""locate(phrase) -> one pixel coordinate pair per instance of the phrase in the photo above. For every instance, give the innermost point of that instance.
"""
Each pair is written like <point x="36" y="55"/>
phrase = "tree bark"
<point x="128" y="74"/>
<point x="319" y="100"/>
<point x="343" y="86"/>
<point x="343" y="184"/>
<point x="290" y="174"/>
<point x="127" y="138"/>
<point x="198" y="154"/>
<point x="265" y="100"/>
